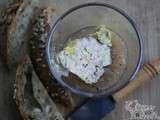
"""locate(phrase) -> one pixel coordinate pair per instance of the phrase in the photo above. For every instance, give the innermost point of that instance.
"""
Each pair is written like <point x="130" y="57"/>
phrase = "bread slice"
<point x="6" y="17"/>
<point x="41" y="27"/>
<point x="31" y="97"/>
<point x="19" y="30"/>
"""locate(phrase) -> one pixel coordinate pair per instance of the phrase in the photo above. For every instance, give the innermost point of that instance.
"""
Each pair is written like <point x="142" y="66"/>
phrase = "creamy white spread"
<point x="86" y="57"/>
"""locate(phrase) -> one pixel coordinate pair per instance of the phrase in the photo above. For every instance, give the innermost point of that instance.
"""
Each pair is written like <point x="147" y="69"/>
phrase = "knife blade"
<point x="94" y="109"/>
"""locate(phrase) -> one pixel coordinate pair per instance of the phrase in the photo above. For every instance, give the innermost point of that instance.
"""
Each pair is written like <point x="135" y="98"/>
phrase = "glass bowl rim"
<point x="123" y="13"/>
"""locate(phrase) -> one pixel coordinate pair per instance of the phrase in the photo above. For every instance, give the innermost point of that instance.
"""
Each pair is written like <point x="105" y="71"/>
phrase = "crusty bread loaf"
<point x="31" y="97"/>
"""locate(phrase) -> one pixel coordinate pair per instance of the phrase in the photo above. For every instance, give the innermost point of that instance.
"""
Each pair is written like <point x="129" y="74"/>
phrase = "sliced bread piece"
<point x="19" y="30"/>
<point x="41" y="27"/>
<point x="6" y="17"/>
<point x="31" y="97"/>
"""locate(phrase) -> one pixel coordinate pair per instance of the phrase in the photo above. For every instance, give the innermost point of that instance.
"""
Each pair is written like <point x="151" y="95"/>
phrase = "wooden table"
<point x="146" y="14"/>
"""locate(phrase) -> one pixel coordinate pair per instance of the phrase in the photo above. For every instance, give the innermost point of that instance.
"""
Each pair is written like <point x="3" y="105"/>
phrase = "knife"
<point x="97" y="108"/>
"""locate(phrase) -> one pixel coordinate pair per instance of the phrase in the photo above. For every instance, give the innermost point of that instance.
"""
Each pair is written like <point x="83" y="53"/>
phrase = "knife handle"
<point x="146" y="74"/>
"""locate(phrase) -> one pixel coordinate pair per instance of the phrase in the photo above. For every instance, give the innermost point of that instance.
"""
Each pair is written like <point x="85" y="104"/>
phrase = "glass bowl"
<point x="81" y="20"/>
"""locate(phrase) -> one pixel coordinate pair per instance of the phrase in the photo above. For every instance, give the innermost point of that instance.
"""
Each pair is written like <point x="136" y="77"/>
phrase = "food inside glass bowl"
<point x="86" y="57"/>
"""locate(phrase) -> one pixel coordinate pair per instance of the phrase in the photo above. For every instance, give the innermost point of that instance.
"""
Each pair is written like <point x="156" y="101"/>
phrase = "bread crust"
<point x="31" y="97"/>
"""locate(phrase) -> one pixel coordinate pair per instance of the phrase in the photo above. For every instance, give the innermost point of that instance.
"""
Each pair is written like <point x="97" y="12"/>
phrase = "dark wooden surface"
<point x="146" y="13"/>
